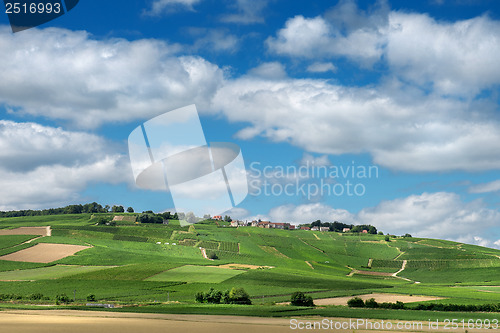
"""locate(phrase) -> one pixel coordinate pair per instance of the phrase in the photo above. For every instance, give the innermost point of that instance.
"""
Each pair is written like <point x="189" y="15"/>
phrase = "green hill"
<point x="144" y="263"/>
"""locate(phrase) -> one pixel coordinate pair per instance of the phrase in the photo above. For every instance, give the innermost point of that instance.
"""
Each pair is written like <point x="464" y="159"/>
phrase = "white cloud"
<point x="159" y="7"/>
<point x="493" y="186"/>
<point x="343" y="31"/>
<point x="311" y="161"/>
<point x="90" y="82"/>
<point x="455" y="58"/>
<point x="44" y="167"/>
<point x="433" y="215"/>
<point x="216" y="40"/>
<point x="247" y="12"/>
<point x="269" y="70"/>
<point x="308" y="213"/>
<point x="321" y="67"/>
<point x="451" y="58"/>
<point x="412" y="132"/>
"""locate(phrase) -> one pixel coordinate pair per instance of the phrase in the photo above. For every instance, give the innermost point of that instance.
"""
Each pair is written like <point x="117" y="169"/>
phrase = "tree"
<point x="130" y="210"/>
<point x="212" y="255"/>
<point x="227" y="218"/>
<point x="300" y="299"/>
<point x="91" y="298"/>
<point x="371" y="303"/>
<point x="118" y="209"/>
<point x="407" y="235"/>
<point x="213" y="296"/>
<point x="356" y="302"/>
<point x="239" y="296"/>
<point x="316" y="223"/>
<point x="387" y="238"/>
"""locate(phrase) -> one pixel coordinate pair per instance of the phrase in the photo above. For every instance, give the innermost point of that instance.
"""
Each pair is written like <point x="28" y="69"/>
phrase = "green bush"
<point x="356" y="302"/>
<point x="371" y="303"/>
<point x="35" y="296"/>
<point x="91" y="298"/>
<point x="212" y="255"/>
<point x="300" y="299"/>
<point x="239" y="296"/>
<point x="63" y="298"/>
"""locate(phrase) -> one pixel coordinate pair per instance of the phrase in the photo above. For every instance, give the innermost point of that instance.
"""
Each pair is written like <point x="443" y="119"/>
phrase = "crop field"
<point x="51" y="272"/>
<point x="150" y="265"/>
<point x="199" y="274"/>
<point x="44" y="253"/>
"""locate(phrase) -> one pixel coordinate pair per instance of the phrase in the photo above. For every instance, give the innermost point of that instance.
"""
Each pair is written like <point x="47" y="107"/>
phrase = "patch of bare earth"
<point x="41" y="231"/>
<point x="44" y="253"/>
<point x="380" y="298"/>
<point x="63" y="321"/>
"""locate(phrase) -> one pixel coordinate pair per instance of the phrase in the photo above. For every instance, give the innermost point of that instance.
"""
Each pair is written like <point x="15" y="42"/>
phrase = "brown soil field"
<point x="63" y="321"/>
<point x="41" y="231"/>
<point x="380" y="298"/>
<point x="44" y="253"/>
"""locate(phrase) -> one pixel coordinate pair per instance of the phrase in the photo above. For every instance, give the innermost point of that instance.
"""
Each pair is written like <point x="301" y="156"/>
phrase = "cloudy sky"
<point x="379" y="112"/>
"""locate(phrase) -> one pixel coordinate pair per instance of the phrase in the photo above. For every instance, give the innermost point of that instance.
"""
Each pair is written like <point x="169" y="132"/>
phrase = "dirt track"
<point x="44" y="253"/>
<point x="63" y="321"/>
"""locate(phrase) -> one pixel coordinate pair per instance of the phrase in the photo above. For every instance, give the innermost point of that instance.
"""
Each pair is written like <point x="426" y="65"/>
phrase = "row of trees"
<point x="339" y="226"/>
<point x="90" y="208"/>
<point x="234" y="296"/>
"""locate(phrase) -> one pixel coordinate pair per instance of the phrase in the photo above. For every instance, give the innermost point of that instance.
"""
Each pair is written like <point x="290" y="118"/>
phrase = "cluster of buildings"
<point x="263" y="224"/>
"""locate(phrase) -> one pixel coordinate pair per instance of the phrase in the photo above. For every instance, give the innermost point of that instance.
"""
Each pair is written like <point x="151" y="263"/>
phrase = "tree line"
<point x="90" y="208"/>
<point x="339" y="226"/>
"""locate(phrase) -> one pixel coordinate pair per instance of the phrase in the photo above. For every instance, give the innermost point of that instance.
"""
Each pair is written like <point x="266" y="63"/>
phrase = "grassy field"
<point x="137" y="264"/>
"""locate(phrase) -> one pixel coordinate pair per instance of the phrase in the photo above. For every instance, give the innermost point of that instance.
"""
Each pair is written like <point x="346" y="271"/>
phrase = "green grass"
<point x="7" y="241"/>
<point x="199" y="274"/>
<point x="51" y="272"/>
<point x="147" y="272"/>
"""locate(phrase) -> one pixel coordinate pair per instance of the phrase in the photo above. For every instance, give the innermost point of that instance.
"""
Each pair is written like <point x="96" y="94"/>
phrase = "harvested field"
<point x="380" y="298"/>
<point x="62" y="321"/>
<point x="44" y="253"/>
<point x="40" y="231"/>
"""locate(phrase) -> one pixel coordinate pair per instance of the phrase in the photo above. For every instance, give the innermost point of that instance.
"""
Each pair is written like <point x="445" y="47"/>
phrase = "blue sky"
<point x="408" y="88"/>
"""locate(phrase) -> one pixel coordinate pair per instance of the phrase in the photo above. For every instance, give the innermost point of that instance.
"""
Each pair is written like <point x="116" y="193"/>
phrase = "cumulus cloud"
<point x="434" y="215"/>
<point x="411" y="133"/>
<point x="42" y="166"/>
<point x="308" y="213"/>
<point x="451" y="58"/>
<point x="159" y="7"/>
<point x="70" y="76"/>
<point x="343" y="31"/>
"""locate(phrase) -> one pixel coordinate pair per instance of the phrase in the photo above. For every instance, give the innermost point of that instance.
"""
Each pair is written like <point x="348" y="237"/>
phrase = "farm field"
<point x="160" y="268"/>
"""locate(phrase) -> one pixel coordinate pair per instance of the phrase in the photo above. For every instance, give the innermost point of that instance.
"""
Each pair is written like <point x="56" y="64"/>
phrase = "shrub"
<point x="91" y="298"/>
<point x="200" y="297"/>
<point x="387" y="238"/>
<point x="371" y="303"/>
<point x="356" y="302"/>
<point x="35" y="296"/>
<point x="300" y="299"/>
<point x="213" y="296"/>
<point x="63" y="298"/>
<point x="239" y="296"/>
<point x="212" y="255"/>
